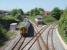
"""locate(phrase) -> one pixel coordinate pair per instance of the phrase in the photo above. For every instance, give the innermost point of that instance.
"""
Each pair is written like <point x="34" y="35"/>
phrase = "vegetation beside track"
<point x="13" y="16"/>
<point x="49" y="19"/>
<point x="46" y="19"/>
<point x="4" y="28"/>
<point x="63" y="26"/>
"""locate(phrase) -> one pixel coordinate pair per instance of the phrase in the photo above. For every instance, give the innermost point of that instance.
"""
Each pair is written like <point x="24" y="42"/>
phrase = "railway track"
<point x="37" y="38"/>
<point x="38" y="41"/>
<point x="53" y="48"/>
<point x="37" y="35"/>
<point x="16" y="47"/>
<point x="40" y="47"/>
<point x="50" y="37"/>
<point x="43" y="41"/>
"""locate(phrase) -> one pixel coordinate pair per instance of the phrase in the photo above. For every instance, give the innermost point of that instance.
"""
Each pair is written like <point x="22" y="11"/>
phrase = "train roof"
<point x="23" y="24"/>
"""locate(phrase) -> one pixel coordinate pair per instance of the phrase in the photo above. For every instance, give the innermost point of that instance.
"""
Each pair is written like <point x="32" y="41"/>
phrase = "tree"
<point x="17" y="14"/>
<point x="14" y="12"/>
<point x="65" y="11"/>
<point x="63" y="23"/>
<point x="35" y="11"/>
<point x="40" y="9"/>
<point x="19" y="17"/>
<point x="56" y="13"/>
<point x="20" y="11"/>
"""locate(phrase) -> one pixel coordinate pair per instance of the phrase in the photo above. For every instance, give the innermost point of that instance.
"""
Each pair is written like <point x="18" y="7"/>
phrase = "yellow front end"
<point x="23" y="31"/>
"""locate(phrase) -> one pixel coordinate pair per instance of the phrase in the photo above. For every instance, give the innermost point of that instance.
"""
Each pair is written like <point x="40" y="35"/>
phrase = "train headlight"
<point x="23" y="30"/>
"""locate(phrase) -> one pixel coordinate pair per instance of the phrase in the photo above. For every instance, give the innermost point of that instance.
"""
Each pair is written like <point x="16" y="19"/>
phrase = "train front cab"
<point x="27" y="32"/>
<point x="23" y="31"/>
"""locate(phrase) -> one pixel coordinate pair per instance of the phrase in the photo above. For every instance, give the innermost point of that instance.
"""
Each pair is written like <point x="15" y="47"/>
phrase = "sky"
<point x="27" y="5"/>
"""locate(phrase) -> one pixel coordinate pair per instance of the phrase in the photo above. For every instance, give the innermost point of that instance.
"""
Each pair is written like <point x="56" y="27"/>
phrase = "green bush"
<point x="3" y="37"/>
<point x="8" y="17"/>
<point x="9" y="34"/>
<point x="6" y="23"/>
<point x="49" y="19"/>
<point x="32" y="18"/>
<point x="4" y="27"/>
<point x="56" y="13"/>
<point x="63" y="27"/>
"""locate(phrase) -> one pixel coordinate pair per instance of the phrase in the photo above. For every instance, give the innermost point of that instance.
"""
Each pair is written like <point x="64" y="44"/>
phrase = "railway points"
<point x="27" y="43"/>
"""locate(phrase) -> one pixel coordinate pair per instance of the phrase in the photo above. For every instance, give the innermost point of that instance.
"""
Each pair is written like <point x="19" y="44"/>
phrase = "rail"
<point x="37" y="35"/>
<point x="51" y="29"/>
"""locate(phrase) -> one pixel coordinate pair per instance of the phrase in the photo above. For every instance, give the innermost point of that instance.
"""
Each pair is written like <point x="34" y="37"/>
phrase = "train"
<point x="39" y="20"/>
<point x="26" y="28"/>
